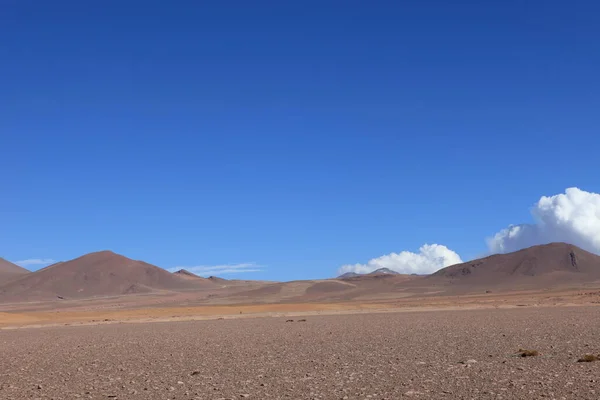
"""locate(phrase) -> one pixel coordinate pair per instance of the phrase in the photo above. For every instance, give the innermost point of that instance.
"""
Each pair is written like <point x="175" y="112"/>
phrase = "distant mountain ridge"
<point x="186" y="273"/>
<point x="348" y="275"/>
<point x="549" y="263"/>
<point x="380" y="271"/>
<point x="9" y="271"/>
<point x="102" y="273"/>
<point x="384" y="271"/>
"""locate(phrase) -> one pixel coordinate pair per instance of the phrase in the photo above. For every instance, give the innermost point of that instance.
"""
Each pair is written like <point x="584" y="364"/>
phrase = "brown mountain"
<point x="96" y="274"/>
<point x="216" y="279"/>
<point x="186" y="273"/>
<point x="545" y="265"/>
<point x="10" y="271"/>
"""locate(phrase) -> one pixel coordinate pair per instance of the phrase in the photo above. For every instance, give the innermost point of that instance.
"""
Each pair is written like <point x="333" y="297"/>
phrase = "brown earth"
<point x="183" y="273"/>
<point x="545" y="265"/>
<point x="96" y="274"/>
<point x="104" y="283"/>
<point x="10" y="271"/>
<point x="553" y="266"/>
<point x="217" y="280"/>
<point x="376" y="336"/>
<point x="416" y="355"/>
<point x="199" y="305"/>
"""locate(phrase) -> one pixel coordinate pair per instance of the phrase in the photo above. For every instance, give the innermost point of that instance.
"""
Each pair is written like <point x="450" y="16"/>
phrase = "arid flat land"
<point x="193" y="306"/>
<point x="467" y="354"/>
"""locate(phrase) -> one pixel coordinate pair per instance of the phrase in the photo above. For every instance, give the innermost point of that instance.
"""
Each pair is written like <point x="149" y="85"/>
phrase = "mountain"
<point x="218" y="280"/>
<point x="190" y="275"/>
<point x="187" y="274"/>
<point x="9" y="271"/>
<point x="380" y="271"/>
<point x="348" y="275"/>
<point x="386" y="271"/>
<point x="96" y="274"/>
<point x="549" y="264"/>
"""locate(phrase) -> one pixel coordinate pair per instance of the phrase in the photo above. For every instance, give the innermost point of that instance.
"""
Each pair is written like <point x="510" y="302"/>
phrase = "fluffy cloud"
<point x="207" y="270"/>
<point x="34" y="261"/>
<point x="572" y="217"/>
<point x="430" y="258"/>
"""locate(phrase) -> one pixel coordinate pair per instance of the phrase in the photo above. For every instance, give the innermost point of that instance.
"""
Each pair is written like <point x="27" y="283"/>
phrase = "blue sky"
<point x="296" y="137"/>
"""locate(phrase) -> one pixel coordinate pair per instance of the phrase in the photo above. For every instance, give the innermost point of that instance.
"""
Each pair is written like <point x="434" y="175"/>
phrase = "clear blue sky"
<point x="297" y="135"/>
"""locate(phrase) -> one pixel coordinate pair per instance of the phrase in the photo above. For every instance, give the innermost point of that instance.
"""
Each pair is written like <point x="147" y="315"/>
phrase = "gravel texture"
<point x="423" y="355"/>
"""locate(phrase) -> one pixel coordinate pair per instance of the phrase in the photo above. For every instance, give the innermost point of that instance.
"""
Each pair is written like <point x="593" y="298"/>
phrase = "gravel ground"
<point x="424" y="355"/>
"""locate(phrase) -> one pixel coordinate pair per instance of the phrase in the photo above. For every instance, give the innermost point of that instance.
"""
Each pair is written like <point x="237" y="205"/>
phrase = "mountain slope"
<point x="380" y="271"/>
<point x="348" y="275"/>
<point x="9" y="271"/>
<point x="184" y="273"/>
<point x="383" y="271"/>
<point x="217" y="280"/>
<point x="548" y="264"/>
<point x="96" y="274"/>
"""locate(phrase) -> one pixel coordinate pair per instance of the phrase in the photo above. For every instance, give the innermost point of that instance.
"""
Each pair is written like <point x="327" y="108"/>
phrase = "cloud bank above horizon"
<point x="572" y="217"/>
<point x="207" y="270"/>
<point x="430" y="258"/>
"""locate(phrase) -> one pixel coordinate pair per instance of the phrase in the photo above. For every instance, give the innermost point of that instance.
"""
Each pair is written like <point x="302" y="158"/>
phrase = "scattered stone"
<point x="528" y="353"/>
<point x="589" y="358"/>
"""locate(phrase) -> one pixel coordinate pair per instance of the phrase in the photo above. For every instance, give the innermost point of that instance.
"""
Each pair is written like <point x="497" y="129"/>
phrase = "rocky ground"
<point x="421" y="355"/>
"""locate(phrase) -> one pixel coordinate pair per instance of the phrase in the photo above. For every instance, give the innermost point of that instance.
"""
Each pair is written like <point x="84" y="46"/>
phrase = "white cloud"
<point x="572" y="217"/>
<point x="206" y="270"/>
<point x="34" y="261"/>
<point x="430" y="258"/>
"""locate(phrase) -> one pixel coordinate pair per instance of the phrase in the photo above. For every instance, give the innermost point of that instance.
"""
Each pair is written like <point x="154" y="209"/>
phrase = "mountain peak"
<point x="186" y="272"/>
<point x="554" y="261"/>
<point x="384" y="271"/>
<point x="348" y="275"/>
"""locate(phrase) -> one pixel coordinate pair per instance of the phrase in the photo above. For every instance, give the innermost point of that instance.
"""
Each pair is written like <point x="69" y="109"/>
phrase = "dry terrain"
<point x="10" y="271"/>
<point x="111" y="279"/>
<point x="470" y="354"/>
<point x="104" y="326"/>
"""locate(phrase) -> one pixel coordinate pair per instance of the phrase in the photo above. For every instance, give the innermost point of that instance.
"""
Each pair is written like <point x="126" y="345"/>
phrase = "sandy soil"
<point x="425" y="355"/>
<point x="193" y="306"/>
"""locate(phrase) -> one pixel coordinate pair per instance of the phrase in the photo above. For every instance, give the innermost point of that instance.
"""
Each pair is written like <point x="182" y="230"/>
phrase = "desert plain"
<point x="518" y="326"/>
